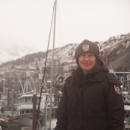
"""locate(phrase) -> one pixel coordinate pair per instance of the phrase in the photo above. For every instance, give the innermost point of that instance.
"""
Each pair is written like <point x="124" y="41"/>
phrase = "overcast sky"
<point x="27" y="22"/>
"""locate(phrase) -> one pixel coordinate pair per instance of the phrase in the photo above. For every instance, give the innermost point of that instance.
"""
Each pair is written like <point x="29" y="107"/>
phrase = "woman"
<point x="92" y="97"/>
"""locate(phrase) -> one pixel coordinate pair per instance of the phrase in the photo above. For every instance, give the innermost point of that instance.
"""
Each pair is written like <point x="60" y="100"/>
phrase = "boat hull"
<point x="26" y="120"/>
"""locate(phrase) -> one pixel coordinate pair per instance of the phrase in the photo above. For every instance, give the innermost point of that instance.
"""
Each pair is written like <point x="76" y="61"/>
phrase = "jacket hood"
<point x="101" y="64"/>
<point x="96" y="75"/>
<point x="77" y="76"/>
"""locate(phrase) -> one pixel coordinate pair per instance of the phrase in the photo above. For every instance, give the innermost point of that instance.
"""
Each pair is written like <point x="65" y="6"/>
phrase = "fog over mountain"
<point x="9" y="52"/>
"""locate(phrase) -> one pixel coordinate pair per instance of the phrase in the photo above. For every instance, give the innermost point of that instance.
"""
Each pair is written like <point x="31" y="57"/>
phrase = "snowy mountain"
<point x="116" y="51"/>
<point x="13" y="51"/>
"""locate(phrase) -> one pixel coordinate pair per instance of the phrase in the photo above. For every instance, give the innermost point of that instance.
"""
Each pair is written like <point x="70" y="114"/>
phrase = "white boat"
<point x="24" y="108"/>
<point x="3" y="100"/>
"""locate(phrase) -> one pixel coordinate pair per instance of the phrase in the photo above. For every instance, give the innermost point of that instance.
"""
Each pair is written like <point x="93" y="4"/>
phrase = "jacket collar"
<point x="96" y="76"/>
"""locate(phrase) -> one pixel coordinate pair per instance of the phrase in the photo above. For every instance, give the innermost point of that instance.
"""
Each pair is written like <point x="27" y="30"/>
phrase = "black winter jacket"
<point x="94" y="105"/>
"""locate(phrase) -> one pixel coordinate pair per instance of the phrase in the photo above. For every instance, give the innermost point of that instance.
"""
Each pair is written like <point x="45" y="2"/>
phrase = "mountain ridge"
<point x="112" y="50"/>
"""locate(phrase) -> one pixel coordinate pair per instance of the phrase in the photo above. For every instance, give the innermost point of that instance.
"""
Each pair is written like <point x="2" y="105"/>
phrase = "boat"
<point x="24" y="109"/>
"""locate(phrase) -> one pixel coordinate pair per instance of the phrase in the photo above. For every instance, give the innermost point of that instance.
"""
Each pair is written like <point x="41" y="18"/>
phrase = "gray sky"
<point x="27" y="22"/>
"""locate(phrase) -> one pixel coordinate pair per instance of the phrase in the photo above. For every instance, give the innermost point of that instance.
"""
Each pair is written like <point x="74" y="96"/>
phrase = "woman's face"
<point x="87" y="61"/>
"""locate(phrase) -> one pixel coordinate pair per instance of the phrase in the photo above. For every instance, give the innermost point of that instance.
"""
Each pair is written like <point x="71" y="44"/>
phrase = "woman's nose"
<point x="86" y="57"/>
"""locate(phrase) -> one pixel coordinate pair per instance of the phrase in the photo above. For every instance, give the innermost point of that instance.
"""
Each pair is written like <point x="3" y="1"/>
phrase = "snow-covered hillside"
<point x="116" y="51"/>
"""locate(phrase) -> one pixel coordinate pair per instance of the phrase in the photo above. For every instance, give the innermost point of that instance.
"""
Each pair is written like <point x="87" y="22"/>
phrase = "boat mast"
<point x="52" y="64"/>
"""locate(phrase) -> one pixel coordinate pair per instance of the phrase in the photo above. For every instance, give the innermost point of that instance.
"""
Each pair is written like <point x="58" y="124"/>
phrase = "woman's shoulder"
<point x="66" y="84"/>
<point x="68" y="79"/>
<point x="113" y="79"/>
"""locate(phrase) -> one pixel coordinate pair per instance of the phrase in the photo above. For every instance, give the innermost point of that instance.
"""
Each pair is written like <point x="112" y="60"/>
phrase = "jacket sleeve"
<point x="115" y="105"/>
<point x="62" y="112"/>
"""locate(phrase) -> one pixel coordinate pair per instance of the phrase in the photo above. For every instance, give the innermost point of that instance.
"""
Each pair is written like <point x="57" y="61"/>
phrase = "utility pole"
<point x="12" y="105"/>
<point x="34" y="111"/>
<point x="8" y="98"/>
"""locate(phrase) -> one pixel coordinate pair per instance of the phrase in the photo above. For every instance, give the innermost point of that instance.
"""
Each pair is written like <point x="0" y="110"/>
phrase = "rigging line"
<point x="21" y="84"/>
<point x="61" y="38"/>
<point x="39" y="103"/>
